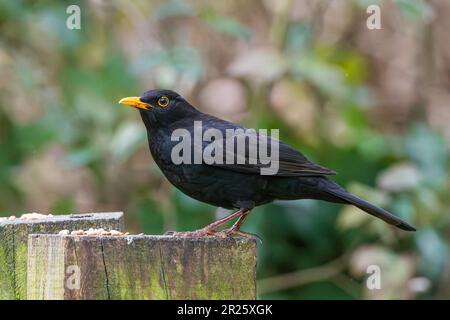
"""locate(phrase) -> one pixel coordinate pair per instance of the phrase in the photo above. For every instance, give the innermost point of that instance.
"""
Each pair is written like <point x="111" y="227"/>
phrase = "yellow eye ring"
<point x="163" y="101"/>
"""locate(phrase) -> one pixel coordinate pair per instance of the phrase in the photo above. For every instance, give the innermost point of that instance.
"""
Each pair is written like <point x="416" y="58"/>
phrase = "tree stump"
<point x="14" y="244"/>
<point x="140" y="267"/>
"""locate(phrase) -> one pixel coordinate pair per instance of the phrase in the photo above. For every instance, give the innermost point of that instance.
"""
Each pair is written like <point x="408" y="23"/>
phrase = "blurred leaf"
<point x="81" y="158"/>
<point x="363" y="4"/>
<point x="370" y="144"/>
<point x="429" y="205"/>
<point x="174" y="8"/>
<point x="150" y="216"/>
<point x="433" y="252"/>
<point x="298" y="38"/>
<point x="52" y="21"/>
<point x="403" y="207"/>
<point x="63" y="206"/>
<point x="400" y="177"/>
<point x="170" y="63"/>
<point x="127" y="139"/>
<point x="326" y="77"/>
<point x="314" y="291"/>
<point x="11" y="9"/>
<point x="351" y="63"/>
<point x="259" y="64"/>
<point x="414" y="8"/>
<point x="351" y="217"/>
<point x="429" y="151"/>
<point x="396" y="270"/>
<point x="226" y="25"/>
<point x="33" y="137"/>
<point x="191" y="214"/>
<point x="377" y="197"/>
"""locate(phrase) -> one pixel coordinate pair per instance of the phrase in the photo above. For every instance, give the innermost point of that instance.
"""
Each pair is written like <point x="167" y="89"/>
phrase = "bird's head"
<point x="160" y="107"/>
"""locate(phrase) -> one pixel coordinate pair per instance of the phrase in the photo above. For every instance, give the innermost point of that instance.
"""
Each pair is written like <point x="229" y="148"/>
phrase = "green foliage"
<point x="66" y="145"/>
<point x="414" y="8"/>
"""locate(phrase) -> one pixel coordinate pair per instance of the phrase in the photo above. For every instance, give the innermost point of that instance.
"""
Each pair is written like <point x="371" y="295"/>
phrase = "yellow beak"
<point x="135" y="102"/>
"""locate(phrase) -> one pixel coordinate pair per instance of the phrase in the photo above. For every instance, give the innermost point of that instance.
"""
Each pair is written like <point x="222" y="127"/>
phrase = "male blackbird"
<point x="235" y="186"/>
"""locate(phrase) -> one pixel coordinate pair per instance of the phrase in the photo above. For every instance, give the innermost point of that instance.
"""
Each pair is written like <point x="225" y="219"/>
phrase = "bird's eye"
<point x="163" y="101"/>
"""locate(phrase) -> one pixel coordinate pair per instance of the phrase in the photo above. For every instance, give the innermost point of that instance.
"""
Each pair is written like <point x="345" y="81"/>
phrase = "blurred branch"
<point x="318" y="16"/>
<point x="280" y="24"/>
<point x="302" y="277"/>
<point x="351" y="287"/>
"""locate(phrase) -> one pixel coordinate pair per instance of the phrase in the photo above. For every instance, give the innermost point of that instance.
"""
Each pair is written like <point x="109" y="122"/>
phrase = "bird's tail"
<point x="347" y="197"/>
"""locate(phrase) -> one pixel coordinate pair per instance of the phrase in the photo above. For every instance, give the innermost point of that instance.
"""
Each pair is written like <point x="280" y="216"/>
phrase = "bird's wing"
<point x="290" y="162"/>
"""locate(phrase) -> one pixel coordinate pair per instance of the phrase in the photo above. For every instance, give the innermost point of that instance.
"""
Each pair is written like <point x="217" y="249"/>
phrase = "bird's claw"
<point x="236" y="232"/>
<point x="196" y="234"/>
<point x="213" y="233"/>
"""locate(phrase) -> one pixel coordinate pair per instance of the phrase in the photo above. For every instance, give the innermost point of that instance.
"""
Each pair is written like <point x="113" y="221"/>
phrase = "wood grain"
<point x="14" y="244"/>
<point x="140" y="267"/>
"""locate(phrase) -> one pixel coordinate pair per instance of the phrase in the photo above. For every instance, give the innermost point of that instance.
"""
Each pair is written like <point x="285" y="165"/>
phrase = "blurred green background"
<point x="373" y="105"/>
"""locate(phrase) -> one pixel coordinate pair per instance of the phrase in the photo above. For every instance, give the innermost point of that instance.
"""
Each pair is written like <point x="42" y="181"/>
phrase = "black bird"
<point x="235" y="186"/>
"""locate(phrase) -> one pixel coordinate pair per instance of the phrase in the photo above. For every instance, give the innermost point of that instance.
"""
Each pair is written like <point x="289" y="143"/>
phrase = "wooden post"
<point x="14" y="244"/>
<point x="140" y="267"/>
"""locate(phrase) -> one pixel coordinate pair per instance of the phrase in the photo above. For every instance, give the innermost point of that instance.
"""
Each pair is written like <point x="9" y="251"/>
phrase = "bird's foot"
<point x="200" y="233"/>
<point x="206" y="232"/>
<point x="237" y="232"/>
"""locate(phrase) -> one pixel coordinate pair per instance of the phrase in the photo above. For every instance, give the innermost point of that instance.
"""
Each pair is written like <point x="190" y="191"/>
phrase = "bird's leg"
<point x="237" y="224"/>
<point x="235" y="229"/>
<point x="210" y="230"/>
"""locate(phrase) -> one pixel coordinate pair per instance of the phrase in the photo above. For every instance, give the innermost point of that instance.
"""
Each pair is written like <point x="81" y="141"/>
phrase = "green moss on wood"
<point x="14" y="244"/>
<point x="7" y="277"/>
<point x="152" y="267"/>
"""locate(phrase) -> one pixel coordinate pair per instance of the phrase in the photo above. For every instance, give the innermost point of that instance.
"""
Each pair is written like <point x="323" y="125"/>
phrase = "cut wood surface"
<point x="140" y="267"/>
<point x="14" y="244"/>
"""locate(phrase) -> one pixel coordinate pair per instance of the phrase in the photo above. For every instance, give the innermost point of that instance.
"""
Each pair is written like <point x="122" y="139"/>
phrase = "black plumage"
<point x="235" y="185"/>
